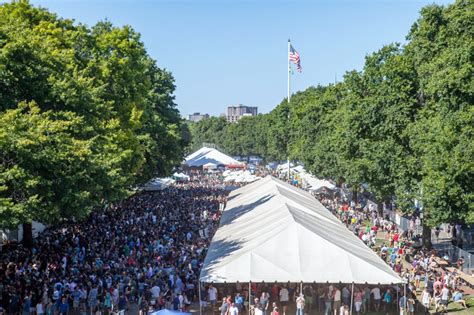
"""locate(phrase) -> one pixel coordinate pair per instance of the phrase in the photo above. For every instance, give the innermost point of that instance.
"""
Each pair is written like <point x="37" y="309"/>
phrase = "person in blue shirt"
<point x="387" y="298"/>
<point x="27" y="305"/>
<point x="457" y="297"/>
<point x="63" y="306"/>
<point x="402" y="303"/>
<point x="239" y="302"/>
<point x="176" y="303"/>
<point x="393" y="256"/>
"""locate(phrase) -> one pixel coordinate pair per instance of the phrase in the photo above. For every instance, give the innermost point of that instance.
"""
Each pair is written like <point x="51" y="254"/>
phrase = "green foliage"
<point x="442" y="47"/>
<point x="403" y="125"/>
<point x="210" y="130"/>
<point x="102" y="96"/>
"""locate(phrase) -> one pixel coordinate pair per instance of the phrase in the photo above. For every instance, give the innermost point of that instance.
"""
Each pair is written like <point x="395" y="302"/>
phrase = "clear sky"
<point x="228" y="52"/>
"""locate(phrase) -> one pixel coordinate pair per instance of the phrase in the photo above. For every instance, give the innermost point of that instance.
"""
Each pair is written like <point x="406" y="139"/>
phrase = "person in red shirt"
<point x="275" y="310"/>
<point x="395" y="237"/>
<point x="275" y="290"/>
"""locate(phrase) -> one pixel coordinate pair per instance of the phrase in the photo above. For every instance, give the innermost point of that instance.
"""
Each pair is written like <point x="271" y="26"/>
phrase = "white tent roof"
<point x="207" y="155"/>
<point x="158" y="184"/>
<point x="271" y="231"/>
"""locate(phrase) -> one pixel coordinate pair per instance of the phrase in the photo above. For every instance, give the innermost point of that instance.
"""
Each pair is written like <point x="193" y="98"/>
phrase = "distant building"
<point x="197" y="117"/>
<point x="234" y="113"/>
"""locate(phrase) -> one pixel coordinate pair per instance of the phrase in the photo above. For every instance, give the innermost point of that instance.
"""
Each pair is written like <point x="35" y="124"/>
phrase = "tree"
<point x="121" y="106"/>
<point x="441" y="45"/>
<point x="209" y="130"/>
<point x="46" y="170"/>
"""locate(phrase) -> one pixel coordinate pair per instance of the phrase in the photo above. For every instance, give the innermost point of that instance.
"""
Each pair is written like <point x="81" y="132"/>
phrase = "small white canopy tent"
<point x="317" y="184"/>
<point x="271" y="231"/>
<point x="158" y="184"/>
<point x="180" y="176"/>
<point x="210" y="166"/>
<point x="207" y="155"/>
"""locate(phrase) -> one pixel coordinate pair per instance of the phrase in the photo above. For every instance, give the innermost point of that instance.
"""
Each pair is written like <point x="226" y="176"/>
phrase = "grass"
<point x="453" y="308"/>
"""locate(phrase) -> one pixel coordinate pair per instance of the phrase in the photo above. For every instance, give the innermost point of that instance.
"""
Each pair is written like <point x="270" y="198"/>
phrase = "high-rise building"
<point x="234" y="113"/>
<point x="197" y="117"/>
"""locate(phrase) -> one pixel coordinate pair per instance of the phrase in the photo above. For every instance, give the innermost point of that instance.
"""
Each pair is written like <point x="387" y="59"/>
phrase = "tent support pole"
<point x="250" y="293"/>
<point x="352" y="297"/>
<point x="200" y="304"/>
<point x="301" y="287"/>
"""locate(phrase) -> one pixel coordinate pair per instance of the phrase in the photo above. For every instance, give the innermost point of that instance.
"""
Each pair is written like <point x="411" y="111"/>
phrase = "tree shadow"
<point x="230" y="215"/>
<point x="218" y="251"/>
<point x="232" y="197"/>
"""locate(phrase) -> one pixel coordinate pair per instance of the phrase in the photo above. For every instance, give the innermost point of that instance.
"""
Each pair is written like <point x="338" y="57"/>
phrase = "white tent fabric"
<point x="158" y="184"/>
<point x="181" y="176"/>
<point x="317" y="184"/>
<point x="207" y="155"/>
<point x="239" y="176"/>
<point x="271" y="231"/>
<point x="211" y="166"/>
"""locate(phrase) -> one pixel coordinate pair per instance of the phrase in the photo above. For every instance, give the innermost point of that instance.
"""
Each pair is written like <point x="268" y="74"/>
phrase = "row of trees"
<point x="85" y="115"/>
<point x="404" y="125"/>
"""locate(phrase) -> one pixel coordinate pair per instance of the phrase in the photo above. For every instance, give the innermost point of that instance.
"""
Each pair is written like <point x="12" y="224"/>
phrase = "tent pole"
<point x="352" y="297"/>
<point x="200" y="304"/>
<point x="250" y="291"/>
<point x="301" y="287"/>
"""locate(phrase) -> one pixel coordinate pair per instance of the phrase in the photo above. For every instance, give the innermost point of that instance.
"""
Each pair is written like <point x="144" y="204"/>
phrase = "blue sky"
<point x="228" y="52"/>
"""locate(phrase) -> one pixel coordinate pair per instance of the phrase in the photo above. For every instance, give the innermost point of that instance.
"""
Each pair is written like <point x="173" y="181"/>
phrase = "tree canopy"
<point x="85" y="115"/>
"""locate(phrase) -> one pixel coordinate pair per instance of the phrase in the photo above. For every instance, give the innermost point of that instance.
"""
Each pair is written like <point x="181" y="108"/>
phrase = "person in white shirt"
<point x="337" y="300"/>
<point x="444" y="297"/>
<point x="426" y="300"/>
<point x="212" y="295"/>
<point x="39" y="308"/>
<point x="300" y="304"/>
<point x="233" y="310"/>
<point x="284" y="298"/>
<point x="376" y="293"/>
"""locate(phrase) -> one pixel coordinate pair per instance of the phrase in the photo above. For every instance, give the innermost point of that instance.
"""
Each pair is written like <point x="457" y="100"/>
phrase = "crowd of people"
<point x="402" y="252"/>
<point x="146" y="251"/>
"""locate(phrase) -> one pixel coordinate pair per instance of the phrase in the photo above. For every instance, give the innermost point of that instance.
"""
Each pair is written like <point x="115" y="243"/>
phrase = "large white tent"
<point x="207" y="155"/>
<point x="271" y="231"/>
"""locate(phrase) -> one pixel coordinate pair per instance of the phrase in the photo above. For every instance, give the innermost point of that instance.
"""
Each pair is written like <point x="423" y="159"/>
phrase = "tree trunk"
<point x="427" y="236"/>
<point x="27" y="235"/>
<point x="380" y="207"/>
<point x="354" y="195"/>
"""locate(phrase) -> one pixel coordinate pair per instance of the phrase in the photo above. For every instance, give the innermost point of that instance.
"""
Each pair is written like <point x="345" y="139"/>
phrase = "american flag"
<point x="295" y="58"/>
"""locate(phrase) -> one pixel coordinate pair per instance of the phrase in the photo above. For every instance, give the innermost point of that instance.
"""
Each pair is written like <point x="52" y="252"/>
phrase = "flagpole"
<point x="287" y="145"/>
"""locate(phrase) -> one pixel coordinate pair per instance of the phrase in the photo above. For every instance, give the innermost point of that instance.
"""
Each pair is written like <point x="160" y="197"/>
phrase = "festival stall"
<point x="271" y="231"/>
